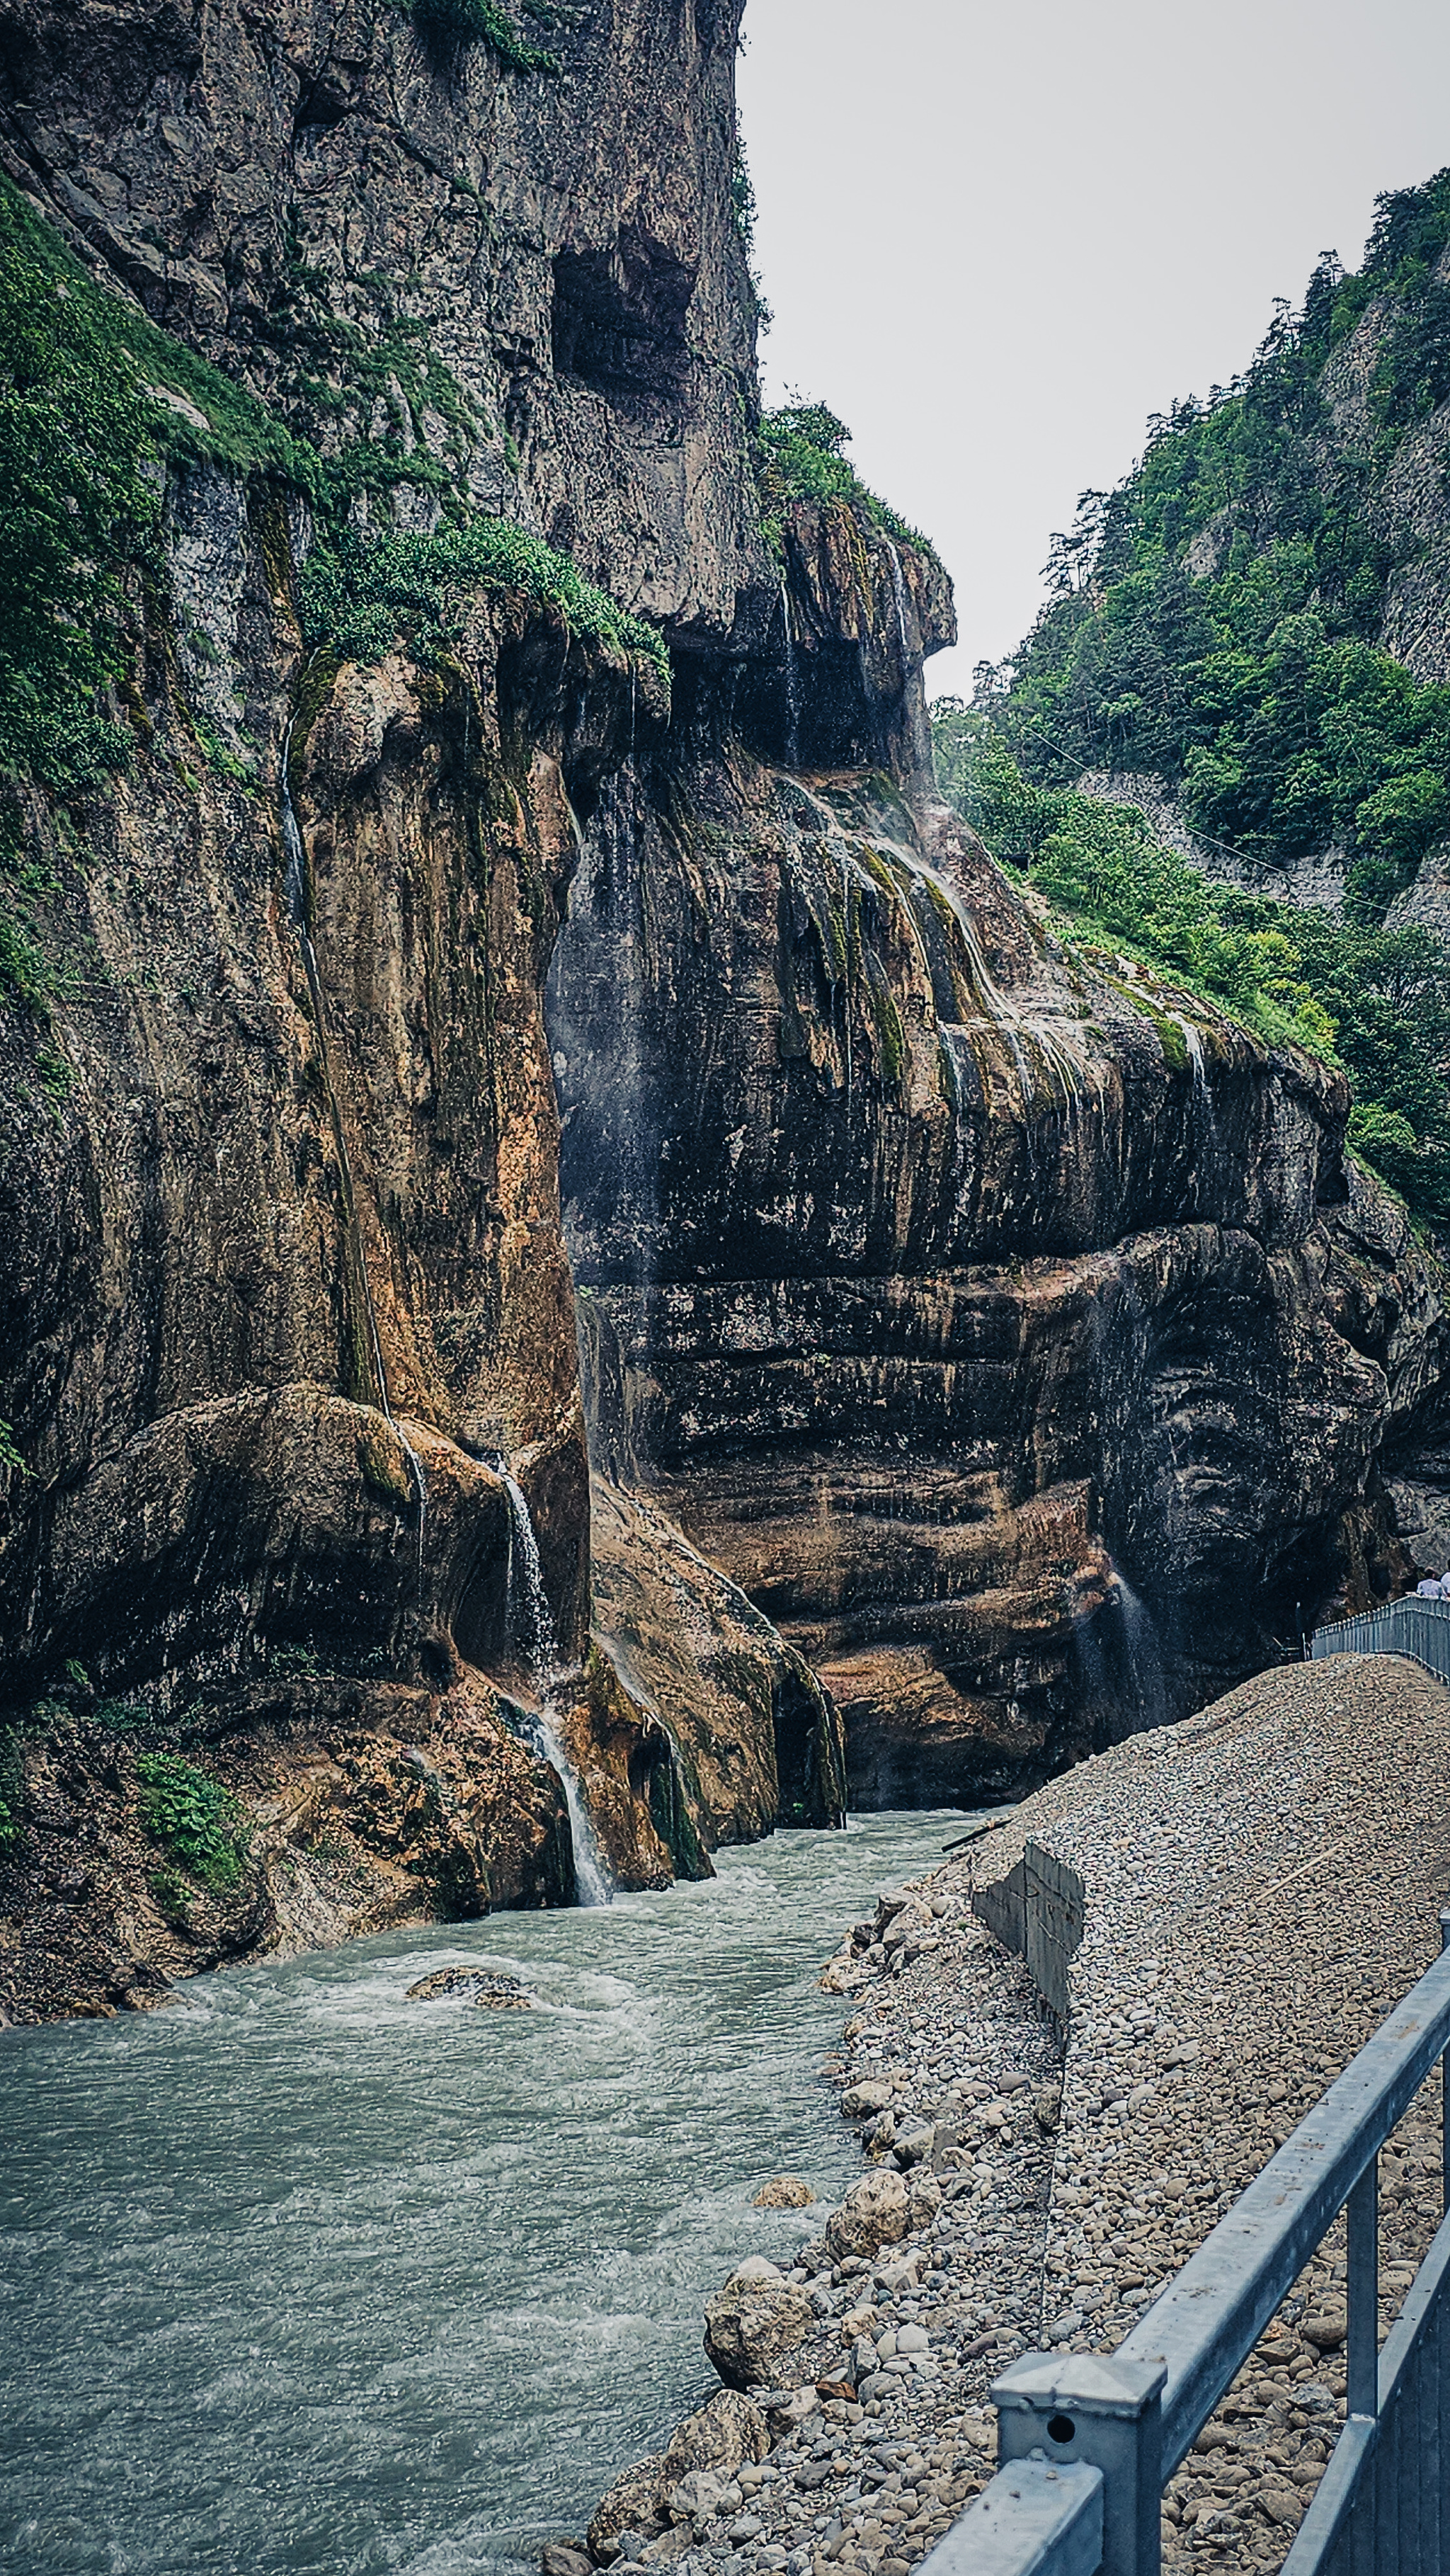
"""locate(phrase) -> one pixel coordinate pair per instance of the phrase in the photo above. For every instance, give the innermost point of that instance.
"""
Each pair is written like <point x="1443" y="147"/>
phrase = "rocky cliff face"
<point x="937" y="1287"/>
<point x="1008" y="1325"/>
<point x="394" y="236"/>
<point x="291" y="1355"/>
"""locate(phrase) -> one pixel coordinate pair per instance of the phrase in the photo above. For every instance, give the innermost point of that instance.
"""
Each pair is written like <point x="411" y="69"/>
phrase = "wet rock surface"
<point x="360" y="1807"/>
<point x="471" y="1985"/>
<point x="1262" y="1884"/>
<point x="988" y="1344"/>
<point x="1005" y="1322"/>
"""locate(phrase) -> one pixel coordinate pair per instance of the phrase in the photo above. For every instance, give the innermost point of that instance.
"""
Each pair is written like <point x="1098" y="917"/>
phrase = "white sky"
<point x="997" y="238"/>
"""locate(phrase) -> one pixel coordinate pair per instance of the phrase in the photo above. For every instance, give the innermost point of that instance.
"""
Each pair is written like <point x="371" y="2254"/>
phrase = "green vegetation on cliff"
<point x="798" y="458"/>
<point x="358" y="592"/>
<point x="1214" y="620"/>
<point x="1376" y="1001"/>
<point x="95" y="402"/>
<point x="469" y="21"/>
<point x="198" y="1820"/>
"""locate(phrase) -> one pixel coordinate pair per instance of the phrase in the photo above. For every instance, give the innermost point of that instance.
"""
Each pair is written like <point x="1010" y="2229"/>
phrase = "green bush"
<point x="1375" y="1001"/>
<point x="360" y="591"/>
<point x="798" y="458"/>
<point x="173" y="1893"/>
<point x="201" y="1823"/>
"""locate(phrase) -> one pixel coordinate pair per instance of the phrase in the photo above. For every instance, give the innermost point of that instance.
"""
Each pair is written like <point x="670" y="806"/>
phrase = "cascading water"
<point x="531" y="1626"/>
<point x="1144" y="1653"/>
<point x="294" y="888"/>
<point x="898" y="587"/>
<point x="792" y="685"/>
<point x="1205" y="1121"/>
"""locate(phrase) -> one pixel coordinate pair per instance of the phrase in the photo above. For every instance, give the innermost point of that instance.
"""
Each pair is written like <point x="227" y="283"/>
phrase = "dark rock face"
<point x="283" y="1283"/>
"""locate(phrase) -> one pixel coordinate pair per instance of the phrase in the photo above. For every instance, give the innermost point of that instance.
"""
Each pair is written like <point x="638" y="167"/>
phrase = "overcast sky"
<point x="997" y="238"/>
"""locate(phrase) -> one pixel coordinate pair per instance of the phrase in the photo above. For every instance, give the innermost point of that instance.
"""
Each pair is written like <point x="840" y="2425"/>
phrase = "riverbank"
<point x="1262" y="1887"/>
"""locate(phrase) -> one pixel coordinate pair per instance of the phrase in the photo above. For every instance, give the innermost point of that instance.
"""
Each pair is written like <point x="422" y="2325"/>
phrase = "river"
<point x="297" y="2274"/>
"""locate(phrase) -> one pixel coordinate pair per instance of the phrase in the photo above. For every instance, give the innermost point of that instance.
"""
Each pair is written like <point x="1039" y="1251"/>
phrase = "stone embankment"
<point x="1262" y="1884"/>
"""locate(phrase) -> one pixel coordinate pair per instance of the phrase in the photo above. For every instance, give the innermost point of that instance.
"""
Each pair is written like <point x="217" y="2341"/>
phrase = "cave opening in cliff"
<point x="619" y="323"/>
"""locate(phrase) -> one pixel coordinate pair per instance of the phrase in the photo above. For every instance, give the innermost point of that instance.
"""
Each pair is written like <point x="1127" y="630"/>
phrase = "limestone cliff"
<point x="938" y="1286"/>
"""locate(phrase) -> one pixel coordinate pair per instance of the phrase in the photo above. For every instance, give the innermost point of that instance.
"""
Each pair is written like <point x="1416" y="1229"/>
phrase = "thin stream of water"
<point x="792" y="685"/>
<point x="299" y="2275"/>
<point x="531" y="1625"/>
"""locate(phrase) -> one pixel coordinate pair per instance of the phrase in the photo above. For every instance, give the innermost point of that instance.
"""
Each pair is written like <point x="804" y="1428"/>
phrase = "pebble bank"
<point x="1262" y="1886"/>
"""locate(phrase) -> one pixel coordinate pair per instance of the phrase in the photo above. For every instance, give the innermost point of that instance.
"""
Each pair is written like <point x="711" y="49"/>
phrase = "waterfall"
<point x="294" y="889"/>
<point x="792" y="684"/>
<point x="898" y="586"/>
<point x="1144" y="1653"/>
<point x="1205" y="1121"/>
<point x="531" y="1625"/>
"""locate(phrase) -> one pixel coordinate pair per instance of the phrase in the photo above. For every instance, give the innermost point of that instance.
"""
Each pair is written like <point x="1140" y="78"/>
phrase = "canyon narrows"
<point x="511" y="917"/>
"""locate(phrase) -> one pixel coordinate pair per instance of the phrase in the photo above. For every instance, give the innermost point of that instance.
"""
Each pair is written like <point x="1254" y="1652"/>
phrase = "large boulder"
<point x="635" y="2502"/>
<point x="875" y="2212"/>
<point x="873" y="2093"/>
<point x="787" y="2191"/>
<point x="754" y="2322"/>
<point x="721" y="2435"/>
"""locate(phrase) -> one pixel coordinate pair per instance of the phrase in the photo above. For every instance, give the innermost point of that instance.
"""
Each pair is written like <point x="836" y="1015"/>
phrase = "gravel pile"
<point x="1262" y="1887"/>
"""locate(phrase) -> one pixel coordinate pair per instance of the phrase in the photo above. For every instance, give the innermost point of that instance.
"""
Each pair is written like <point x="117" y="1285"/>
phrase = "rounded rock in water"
<point x="786" y="2191"/>
<point x="495" y="1992"/>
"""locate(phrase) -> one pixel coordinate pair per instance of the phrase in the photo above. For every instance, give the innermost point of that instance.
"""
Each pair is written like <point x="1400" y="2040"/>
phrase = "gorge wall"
<point x="977" y="1325"/>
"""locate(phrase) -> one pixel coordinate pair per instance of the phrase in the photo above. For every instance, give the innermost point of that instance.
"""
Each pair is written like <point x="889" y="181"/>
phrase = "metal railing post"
<point x="1362" y="2228"/>
<point x="1084" y="2406"/>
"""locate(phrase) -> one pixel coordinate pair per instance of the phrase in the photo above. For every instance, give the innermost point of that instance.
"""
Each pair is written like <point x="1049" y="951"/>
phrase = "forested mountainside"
<point x="1247" y="647"/>
<point x="475" y="895"/>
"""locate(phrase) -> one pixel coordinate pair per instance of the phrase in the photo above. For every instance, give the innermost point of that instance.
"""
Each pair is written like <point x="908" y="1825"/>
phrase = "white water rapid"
<point x="301" y="2278"/>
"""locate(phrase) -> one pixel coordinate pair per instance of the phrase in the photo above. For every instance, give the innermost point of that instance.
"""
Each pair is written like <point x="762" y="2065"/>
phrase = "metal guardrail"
<point x="1087" y="2441"/>
<point x="1419" y="1629"/>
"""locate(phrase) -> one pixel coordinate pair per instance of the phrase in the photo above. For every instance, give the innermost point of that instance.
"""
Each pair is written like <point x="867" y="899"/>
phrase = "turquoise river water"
<point x="296" y="2274"/>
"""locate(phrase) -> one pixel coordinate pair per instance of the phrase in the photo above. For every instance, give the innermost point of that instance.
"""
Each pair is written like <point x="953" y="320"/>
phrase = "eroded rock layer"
<point x="1008" y="1324"/>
